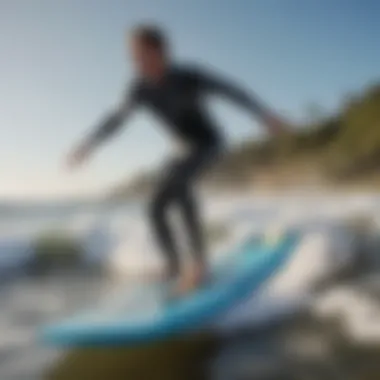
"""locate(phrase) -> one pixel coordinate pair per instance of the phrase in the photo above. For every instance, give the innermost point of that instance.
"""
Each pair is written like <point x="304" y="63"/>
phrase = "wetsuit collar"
<point x="159" y="81"/>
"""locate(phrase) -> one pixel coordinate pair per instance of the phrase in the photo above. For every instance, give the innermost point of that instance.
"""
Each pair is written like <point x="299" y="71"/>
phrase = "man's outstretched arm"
<point x="108" y="126"/>
<point x="218" y="85"/>
<point x="102" y="132"/>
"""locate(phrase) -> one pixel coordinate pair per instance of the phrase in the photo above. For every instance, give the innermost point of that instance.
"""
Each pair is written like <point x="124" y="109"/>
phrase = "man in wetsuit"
<point x="175" y="94"/>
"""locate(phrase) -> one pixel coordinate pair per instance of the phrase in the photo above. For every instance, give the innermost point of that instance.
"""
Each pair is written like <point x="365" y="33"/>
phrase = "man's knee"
<point x="159" y="207"/>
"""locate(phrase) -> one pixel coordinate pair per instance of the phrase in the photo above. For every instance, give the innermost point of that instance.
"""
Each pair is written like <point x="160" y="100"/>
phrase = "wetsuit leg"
<point x="160" y="219"/>
<point x="193" y="223"/>
<point x="176" y="189"/>
<point x="190" y="170"/>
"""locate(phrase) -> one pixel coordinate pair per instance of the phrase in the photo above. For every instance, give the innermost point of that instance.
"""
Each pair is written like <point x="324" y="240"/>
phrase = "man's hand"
<point x="78" y="156"/>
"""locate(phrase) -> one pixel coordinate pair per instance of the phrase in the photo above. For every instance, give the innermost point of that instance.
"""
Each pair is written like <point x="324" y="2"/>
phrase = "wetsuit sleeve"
<point x="115" y="119"/>
<point x="218" y="85"/>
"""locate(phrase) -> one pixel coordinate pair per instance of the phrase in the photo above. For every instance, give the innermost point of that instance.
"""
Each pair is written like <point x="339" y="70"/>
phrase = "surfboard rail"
<point x="253" y="263"/>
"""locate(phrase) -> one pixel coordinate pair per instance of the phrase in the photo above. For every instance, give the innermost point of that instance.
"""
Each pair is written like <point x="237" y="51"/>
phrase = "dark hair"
<point x="152" y="36"/>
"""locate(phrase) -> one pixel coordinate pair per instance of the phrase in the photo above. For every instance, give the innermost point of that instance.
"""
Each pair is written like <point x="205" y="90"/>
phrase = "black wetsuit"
<point x="178" y="101"/>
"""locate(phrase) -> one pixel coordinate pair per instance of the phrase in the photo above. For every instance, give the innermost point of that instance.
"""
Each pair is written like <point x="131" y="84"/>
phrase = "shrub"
<point x="55" y="249"/>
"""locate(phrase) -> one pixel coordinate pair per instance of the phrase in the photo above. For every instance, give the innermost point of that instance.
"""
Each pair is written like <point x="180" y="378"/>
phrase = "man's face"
<point x="148" y="61"/>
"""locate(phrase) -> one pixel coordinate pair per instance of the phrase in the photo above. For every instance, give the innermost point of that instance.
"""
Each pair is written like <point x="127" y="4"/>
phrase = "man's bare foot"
<point x="190" y="280"/>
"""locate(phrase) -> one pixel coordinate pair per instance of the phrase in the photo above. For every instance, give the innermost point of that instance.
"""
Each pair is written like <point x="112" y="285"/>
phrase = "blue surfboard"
<point x="235" y="278"/>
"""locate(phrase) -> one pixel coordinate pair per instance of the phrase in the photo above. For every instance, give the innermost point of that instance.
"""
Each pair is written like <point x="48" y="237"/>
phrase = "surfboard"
<point x="152" y="318"/>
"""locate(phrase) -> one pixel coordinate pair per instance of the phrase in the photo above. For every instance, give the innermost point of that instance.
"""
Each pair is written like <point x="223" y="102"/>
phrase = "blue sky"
<point x="63" y="64"/>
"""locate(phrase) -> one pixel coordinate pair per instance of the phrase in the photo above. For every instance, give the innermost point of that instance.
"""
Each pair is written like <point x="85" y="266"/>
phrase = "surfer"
<point x="175" y="94"/>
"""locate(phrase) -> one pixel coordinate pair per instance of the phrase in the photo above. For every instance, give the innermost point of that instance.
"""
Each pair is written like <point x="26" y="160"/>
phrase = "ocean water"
<point x="26" y="304"/>
<point x="37" y="217"/>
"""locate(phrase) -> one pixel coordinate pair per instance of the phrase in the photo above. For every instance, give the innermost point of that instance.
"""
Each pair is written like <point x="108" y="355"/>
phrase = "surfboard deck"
<point x="150" y="317"/>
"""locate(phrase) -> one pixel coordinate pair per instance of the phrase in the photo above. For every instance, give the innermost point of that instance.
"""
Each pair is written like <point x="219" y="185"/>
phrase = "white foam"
<point x="126" y="244"/>
<point x="106" y="239"/>
<point x="358" y="313"/>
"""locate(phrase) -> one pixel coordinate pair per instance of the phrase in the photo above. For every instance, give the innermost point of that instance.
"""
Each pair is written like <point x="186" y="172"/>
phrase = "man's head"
<point x="150" y="51"/>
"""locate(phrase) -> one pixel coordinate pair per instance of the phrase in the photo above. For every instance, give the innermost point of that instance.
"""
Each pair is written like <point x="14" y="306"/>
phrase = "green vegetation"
<point x="56" y="250"/>
<point x="338" y="149"/>
<point x="341" y="149"/>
